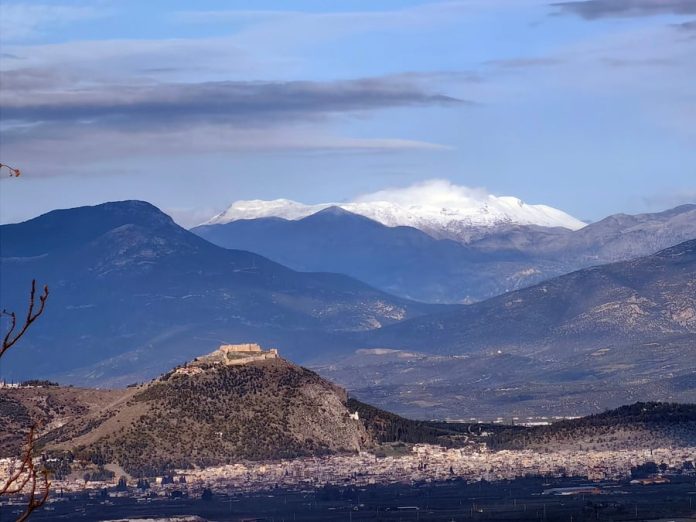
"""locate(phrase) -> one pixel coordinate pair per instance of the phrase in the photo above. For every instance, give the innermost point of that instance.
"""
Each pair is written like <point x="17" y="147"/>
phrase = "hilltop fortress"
<point x="228" y="355"/>
<point x="243" y="353"/>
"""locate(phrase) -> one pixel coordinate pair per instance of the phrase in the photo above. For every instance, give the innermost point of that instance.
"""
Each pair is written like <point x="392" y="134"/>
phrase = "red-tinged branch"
<point x="33" y="313"/>
<point x="28" y="477"/>
<point x="14" y="173"/>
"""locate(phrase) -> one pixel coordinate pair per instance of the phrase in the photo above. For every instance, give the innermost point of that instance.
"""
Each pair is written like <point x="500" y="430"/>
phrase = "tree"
<point x="14" y="333"/>
<point x="25" y="475"/>
<point x="122" y="484"/>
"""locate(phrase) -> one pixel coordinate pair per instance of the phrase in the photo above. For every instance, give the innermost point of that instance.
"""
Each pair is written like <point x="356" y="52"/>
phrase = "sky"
<point x="588" y="106"/>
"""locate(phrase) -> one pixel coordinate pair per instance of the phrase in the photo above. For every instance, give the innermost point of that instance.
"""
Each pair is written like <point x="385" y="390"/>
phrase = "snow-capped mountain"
<point x="438" y="207"/>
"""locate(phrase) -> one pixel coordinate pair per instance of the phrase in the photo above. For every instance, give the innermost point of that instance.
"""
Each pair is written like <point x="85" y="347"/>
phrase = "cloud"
<point x="524" y="63"/>
<point x="687" y="26"/>
<point x="596" y="9"/>
<point x="71" y="150"/>
<point x="20" y="21"/>
<point x="224" y="102"/>
<point x="639" y="62"/>
<point x="330" y="25"/>
<point x="434" y="192"/>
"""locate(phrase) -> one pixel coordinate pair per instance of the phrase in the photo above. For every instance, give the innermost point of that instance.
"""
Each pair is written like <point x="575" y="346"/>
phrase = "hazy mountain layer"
<point x="410" y="263"/>
<point x="649" y="297"/>
<point x="132" y="294"/>
<point x="596" y="338"/>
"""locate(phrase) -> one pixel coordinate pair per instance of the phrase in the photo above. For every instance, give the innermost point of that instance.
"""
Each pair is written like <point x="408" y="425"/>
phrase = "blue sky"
<point x="587" y="106"/>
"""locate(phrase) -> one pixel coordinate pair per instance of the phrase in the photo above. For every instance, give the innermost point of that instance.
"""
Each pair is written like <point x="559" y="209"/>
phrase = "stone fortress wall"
<point x="245" y="353"/>
<point x="228" y="355"/>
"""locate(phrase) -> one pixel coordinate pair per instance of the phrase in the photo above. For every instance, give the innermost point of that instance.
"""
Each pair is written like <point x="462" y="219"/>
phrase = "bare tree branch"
<point x="26" y="475"/>
<point x="10" y="337"/>
<point x="14" y="173"/>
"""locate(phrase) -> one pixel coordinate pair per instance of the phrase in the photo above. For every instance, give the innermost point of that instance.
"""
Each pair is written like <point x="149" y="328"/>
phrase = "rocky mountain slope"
<point x="408" y="262"/>
<point x="647" y="425"/>
<point x="49" y="406"/>
<point x="649" y="297"/>
<point x="402" y="260"/>
<point x="617" y="237"/>
<point x="132" y="294"/>
<point x="573" y="345"/>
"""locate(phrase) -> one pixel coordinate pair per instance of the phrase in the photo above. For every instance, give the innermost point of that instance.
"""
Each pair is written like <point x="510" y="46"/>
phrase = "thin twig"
<point x="14" y="173"/>
<point x="10" y="337"/>
<point x="27" y="474"/>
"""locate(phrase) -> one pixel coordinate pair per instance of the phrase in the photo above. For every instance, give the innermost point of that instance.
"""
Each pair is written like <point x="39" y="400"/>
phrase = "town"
<point x="418" y="463"/>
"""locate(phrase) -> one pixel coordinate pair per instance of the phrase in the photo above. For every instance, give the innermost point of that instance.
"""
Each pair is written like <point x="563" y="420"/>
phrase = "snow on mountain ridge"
<point x="437" y="207"/>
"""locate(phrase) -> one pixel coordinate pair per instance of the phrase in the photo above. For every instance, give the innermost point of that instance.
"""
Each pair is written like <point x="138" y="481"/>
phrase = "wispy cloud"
<point x="22" y="20"/>
<point x="72" y="150"/>
<point x="338" y="23"/>
<point x="639" y="62"/>
<point x="596" y="9"/>
<point x="524" y="63"/>
<point x="75" y="125"/>
<point x="687" y="26"/>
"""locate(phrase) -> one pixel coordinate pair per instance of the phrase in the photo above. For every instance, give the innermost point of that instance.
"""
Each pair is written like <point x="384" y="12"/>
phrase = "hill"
<point x="243" y="404"/>
<point x="132" y="294"/>
<point x="49" y="406"/>
<point x="237" y="403"/>
<point x="639" y="425"/>
<point x="649" y="297"/>
<point x="411" y="263"/>
<point x="573" y="345"/>
<point x="224" y="413"/>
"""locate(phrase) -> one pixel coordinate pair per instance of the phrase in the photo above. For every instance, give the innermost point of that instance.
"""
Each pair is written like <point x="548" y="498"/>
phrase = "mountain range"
<point x="408" y="262"/>
<point x="595" y="338"/>
<point x="436" y="207"/>
<point x="132" y="293"/>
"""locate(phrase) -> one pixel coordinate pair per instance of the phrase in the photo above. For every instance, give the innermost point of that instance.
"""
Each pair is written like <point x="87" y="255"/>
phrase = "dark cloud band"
<point x="214" y="102"/>
<point x="596" y="9"/>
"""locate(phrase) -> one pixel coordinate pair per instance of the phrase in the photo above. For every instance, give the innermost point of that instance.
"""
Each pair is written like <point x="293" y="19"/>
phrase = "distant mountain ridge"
<point x="408" y="262"/>
<point x="133" y="293"/>
<point x="400" y="260"/>
<point x="436" y="207"/>
<point x="652" y="296"/>
<point x="598" y="337"/>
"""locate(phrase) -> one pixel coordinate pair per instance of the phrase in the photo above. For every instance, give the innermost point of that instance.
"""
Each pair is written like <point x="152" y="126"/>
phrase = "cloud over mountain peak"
<point x="436" y="206"/>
